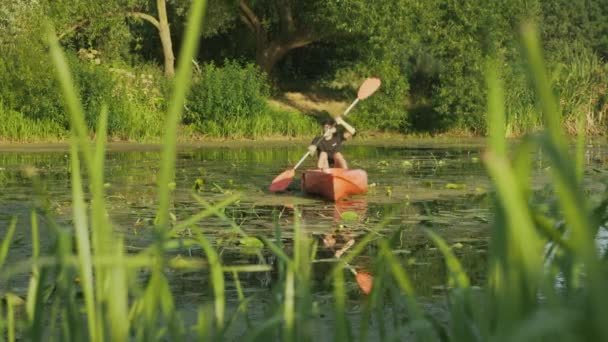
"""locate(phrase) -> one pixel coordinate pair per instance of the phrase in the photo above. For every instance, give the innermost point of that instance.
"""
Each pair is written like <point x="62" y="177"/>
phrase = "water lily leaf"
<point x="198" y="184"/>
<point x="389" y="191"/>
<point x="251" y="245"/>
<point x="349" y="216"/>
<point x="455" y="186"/>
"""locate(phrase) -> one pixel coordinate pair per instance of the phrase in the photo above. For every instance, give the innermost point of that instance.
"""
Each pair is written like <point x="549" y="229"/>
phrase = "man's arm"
<point x="350" y="130"/>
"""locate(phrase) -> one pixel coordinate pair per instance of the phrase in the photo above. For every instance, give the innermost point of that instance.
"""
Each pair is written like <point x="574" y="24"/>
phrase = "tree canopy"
<point x="430" y="54"/>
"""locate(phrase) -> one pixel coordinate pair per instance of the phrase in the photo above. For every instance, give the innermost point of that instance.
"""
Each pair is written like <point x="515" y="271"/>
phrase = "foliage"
<point x="580" y="80"/>
<point x="545" y="281"/>
<point x="230" y="101"/>
<point x="429" y="54"/>
<point x="440" y="48"/>
<point x="15" y="127"/>
<point x="27" y="84"/>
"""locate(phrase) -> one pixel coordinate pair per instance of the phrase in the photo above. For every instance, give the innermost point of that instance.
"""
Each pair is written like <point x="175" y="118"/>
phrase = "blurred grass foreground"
<point x="545" y="281"/>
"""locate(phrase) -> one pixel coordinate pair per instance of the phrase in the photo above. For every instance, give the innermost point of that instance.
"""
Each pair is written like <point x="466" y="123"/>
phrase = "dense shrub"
<point x="27" y="81"/>
<point x="14" y="126"/>
<point x="581" y="80"/>
<point x="224" y="100"/>
<point x="137" y="102"/>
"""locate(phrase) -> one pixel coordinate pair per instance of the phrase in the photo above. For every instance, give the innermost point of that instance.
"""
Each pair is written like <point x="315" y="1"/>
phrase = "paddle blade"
<point x="282" y="181"/>
<point x="368" y="87"/>
<point x="365" y="282"/>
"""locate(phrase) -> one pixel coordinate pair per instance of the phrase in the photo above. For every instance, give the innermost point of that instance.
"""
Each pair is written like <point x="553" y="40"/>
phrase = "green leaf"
<point x="455" y="186"/>
<point x="349" y="216"/>
<point x="251" y="245"/>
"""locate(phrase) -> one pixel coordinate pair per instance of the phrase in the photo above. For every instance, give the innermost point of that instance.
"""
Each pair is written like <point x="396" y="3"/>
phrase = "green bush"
<point x="28" y="86"/>
<point x="223" y="97"/>
<point x="136" y="102"/>
<point x="27" y="81"/>
<point x="95" y="84"/>
<point x="14" y="126"/>
<point x="580" y="79"/>
<point x="231" y="101"/>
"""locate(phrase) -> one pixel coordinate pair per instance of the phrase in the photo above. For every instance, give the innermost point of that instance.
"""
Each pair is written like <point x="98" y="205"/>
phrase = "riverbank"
<point x="375" y="140"/>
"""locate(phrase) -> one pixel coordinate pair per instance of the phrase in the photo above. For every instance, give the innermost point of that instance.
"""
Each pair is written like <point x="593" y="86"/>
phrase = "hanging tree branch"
<point x="134" y="14"/>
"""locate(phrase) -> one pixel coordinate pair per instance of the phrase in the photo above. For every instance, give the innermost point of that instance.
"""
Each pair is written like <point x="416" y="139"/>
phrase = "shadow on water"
<point x="443" y="189"/>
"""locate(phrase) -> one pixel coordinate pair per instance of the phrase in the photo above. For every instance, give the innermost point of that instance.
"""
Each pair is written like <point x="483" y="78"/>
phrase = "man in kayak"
<point x="328" y="145"/>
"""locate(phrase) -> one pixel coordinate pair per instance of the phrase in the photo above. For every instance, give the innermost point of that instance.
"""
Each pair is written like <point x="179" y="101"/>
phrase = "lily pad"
<point x="406" y="163"/>
<point x="455" y="186"/>
<point x="198" y="184"/>
<point x="251" y="245"/>
<point x="349" y="216"/>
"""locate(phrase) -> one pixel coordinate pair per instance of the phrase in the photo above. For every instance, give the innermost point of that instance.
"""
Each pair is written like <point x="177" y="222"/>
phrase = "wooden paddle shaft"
<point x="303" y="159"/>
<point x="350" y="107"/>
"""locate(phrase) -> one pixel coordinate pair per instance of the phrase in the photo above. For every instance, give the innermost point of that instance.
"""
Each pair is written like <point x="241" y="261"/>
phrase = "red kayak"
<point x="334" y="184"/>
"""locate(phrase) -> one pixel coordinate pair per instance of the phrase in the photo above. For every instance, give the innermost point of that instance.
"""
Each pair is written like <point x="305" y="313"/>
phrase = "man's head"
<point x="329" y="124"/>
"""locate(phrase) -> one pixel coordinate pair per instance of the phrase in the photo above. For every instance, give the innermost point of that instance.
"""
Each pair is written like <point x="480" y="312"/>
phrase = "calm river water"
<point x="412" y="187"/>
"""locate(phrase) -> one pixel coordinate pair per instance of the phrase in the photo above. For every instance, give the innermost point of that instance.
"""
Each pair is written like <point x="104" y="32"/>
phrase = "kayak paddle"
<point x="282" y="181"/>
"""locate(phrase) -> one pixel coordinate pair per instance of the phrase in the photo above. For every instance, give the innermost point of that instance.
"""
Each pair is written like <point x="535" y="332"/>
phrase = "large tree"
<point x="279" y="26"/>
<point x="72" y="16"/>
<point x="100" y="16"/>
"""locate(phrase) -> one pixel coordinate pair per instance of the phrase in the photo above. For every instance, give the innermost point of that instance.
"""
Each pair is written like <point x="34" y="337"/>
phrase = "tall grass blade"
<point x="496" y="112"/>
<point x="302" y="268"/>
<point x="203" y="325"/>
<point x="402" y="279"/>
<point x="217" y="281"/>
<point x="6" y="242"/>
<point x="458" y="277"/>
<point x="35" y="278"/>
<point x="100" y="227"/>
<point x="525" y="247"/>
<point x="572" y="200"/>
<point x="181" y="85"/>
<point x="70" y="98"/>
<point x="82" y="242"/>
<point x="118" y="287"/>
<point x="551" y="112"/>
<point x="289" y="306"/>
<point x="11" y="304"/>
<point x="580" y="146"/>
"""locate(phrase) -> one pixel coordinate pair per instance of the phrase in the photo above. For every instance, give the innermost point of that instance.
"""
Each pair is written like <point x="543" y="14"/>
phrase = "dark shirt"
<point x="330" y="146"/>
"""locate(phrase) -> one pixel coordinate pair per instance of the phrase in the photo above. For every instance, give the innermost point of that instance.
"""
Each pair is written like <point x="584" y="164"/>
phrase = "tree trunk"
<point x="267" y="57"/>
<point x="271" y="50"/>
<point x="161" y="24"/>
<point x="165" y="38"/>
